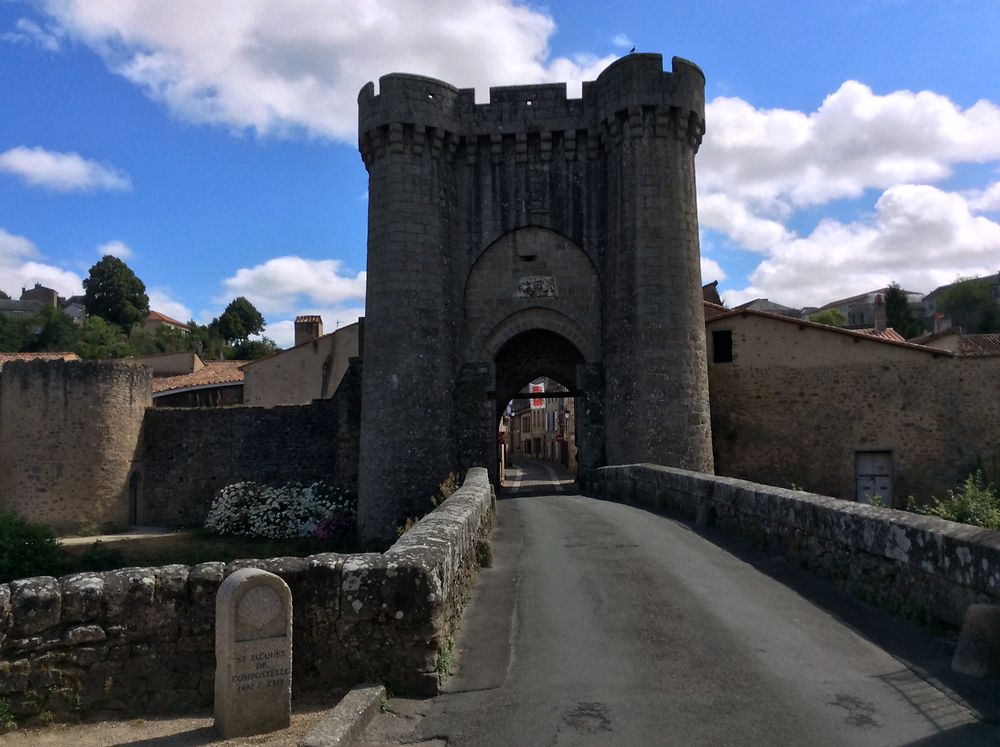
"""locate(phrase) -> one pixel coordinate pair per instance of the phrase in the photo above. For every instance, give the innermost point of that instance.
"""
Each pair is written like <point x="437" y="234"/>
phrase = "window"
<point x="722" y="346"/>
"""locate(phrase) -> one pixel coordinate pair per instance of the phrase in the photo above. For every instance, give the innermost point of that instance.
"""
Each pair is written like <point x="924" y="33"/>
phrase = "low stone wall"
<point x="141" y="640"/>
<point x="915" y="565"/>
<point x="190" y="453"/>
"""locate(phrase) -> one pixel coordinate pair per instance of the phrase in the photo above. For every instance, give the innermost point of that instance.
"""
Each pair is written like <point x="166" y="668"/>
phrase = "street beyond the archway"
<point x="603" y="624"/>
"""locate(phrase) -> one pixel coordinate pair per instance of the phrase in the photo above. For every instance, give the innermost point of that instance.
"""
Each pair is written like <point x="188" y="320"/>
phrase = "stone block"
<point x="36" y="605"/>
<point x="253" y="654"/>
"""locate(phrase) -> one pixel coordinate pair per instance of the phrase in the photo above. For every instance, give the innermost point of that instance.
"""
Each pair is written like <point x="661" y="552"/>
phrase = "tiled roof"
<point x="856" y="333"/>
<point x="11" y="357"/>
<point x="308" y="319"/>
<point x="215" y="373"/>
<point x="886" y="334"/>
<point x="156" y="316"/>
<point x="988" y="344"/>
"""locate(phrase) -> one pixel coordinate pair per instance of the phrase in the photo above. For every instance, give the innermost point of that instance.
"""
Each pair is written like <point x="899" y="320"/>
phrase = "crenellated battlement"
<point x="631" y="97"/>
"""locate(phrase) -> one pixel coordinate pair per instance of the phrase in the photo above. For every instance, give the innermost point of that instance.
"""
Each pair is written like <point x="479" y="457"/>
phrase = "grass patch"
<point x="444" y="657"/>
<point x="190" y="547"/>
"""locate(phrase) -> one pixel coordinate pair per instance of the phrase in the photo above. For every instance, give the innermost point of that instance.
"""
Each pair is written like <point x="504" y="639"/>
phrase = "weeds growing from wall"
<point x="975" y="502"/>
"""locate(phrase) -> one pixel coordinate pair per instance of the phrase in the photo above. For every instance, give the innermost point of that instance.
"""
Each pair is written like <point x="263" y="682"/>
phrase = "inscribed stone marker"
<point x="253" y="654"/>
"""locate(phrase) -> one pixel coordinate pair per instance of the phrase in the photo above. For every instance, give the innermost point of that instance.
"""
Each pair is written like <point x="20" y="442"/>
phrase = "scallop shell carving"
<point x="259" y="608"/>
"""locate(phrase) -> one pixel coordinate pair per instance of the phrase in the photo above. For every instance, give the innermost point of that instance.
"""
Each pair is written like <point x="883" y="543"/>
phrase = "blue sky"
<point x="212" y="145"/>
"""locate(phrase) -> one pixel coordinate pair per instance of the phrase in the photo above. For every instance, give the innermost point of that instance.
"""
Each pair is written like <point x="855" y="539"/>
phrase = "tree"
<point x="970" y="304"/>
<point x="4" y="296"/>
<point x="249" y="350"/>
<point x="100" y="339"/>
<point x="240" y="320"/>
<point x="114" y="293"/>
<point x="51" y="330"/>
<point x="898" y="314"/>
<point x="833" y="317"/>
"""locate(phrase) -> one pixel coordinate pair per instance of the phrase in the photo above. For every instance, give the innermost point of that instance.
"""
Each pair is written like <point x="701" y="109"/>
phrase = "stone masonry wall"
<point x="190" y="453"/>
<point x="141" y="640"/>
<point x="69" y="432"/>
<point x="802" y="425"/>
<point x="916" y="565"/>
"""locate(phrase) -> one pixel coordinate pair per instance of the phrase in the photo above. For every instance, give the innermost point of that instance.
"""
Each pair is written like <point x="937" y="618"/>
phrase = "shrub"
<point x="255" y="510"/>
<point x="975" y="502"/>
<point x="26" y="549"/>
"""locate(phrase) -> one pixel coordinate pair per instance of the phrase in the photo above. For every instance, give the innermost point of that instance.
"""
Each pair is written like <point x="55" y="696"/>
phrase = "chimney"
<point x="307" y="329"/>
<point x="879" y="314"/>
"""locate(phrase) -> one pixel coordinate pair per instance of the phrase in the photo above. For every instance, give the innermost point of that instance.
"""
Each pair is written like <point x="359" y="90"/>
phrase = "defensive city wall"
<point x="141" y="640"/>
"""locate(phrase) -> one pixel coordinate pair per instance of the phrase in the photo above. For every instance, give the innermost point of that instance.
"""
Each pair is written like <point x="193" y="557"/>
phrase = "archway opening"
<point x="536" y="389"/>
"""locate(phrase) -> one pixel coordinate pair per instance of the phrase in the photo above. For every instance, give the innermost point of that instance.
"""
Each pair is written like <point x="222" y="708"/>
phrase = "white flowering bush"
<point x="318" y="510"/>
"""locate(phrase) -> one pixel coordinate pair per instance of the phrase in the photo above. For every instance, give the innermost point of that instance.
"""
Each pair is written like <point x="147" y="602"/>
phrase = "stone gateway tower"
<point x="534" y="235"/>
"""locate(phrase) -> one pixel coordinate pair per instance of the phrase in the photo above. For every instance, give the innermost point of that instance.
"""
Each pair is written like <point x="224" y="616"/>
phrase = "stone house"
<point x="859" y="310"/>
<point x="155" y="320"/>
<point x="844" y="413"/>
<point x="311" y="370"/>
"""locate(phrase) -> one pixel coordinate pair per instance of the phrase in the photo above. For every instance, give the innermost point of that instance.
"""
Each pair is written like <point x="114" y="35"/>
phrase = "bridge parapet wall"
<point x="141" y="640"/>
<point x="915" y="565"/>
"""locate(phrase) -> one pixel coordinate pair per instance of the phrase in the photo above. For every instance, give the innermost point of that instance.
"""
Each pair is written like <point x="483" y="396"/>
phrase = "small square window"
<point x="722" y="346"/>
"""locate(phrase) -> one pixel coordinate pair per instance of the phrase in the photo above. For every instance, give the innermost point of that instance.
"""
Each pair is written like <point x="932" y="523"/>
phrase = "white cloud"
<point x="20" y="268"/>
<point x="287" y="284"/>
<point x="711" y="270"/>
<point x="734" y="218"/>
<point x="115" y="248"/>
<point x="62" y="172"/>
<point x="279" y="68"/>
<point x="920" y="237"/>
<point x="622" y="41"/>
<point x="987" y="200"/>
<point x="162" y="300"/>
<point x="776" y="160"/>
<point x="29" y="32"/>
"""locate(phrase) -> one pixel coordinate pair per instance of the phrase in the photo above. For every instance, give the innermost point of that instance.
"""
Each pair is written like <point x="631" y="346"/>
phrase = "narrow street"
<point x="603" y="624"/>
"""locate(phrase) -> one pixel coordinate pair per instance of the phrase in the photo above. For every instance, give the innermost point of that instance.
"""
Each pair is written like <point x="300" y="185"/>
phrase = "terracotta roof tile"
<point x="987" y="344"/>
<point x="886" y="334"/>
<point x="156" y="316"/>
<point x="214" y="373"/>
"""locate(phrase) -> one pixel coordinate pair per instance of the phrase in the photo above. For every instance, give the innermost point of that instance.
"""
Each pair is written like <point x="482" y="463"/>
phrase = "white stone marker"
<point x="253" y="654"/>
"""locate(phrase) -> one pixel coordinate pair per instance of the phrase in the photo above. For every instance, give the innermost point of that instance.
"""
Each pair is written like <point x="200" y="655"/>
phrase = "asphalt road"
<point x="603" y="624"/>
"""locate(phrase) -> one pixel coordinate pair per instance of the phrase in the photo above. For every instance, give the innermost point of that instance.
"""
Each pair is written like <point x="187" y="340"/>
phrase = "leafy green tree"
<point x="206" y="341"/>
<point x="4" y="296"/>
<point x="248" y="350"/>
<point x="833" y="317"/>
<point x="898" y="314"/>
<point x="113" y="292"/>
<point x="970" y="304"/>
<point x="99" y="339"/>
<point x="13" y="333"/>
<point x="240" y="320"/>
<point x="50" y="330"/>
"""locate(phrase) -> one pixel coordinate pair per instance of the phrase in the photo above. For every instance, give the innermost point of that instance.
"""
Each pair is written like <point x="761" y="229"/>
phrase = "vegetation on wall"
<point x="976" y="501"/>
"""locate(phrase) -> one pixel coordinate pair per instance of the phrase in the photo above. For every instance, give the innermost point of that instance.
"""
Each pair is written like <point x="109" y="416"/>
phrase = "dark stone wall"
<point x="189" y="454"/>
<point x="532" y="212"/>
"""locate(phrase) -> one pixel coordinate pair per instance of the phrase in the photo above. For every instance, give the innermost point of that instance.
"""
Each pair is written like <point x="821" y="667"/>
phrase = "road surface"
<point x="604" y="624"/>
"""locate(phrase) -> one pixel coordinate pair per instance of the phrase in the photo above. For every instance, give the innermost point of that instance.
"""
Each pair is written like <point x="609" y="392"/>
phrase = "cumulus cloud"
<point x="276" y="68"/>
<point x="622" y="41"/>
<point x="20" y="267"/>
<point x="287" y="284"/>
<point x="920" y="237"/>
<point x="62" y="172"/>
<point x="29" y="32"/>
<point x="115" y="248"/>
<point x="987" y="200"/>
<point x="162" y="300"/>
<point x="711" y="270"/>
<point x="777" y="160"/>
